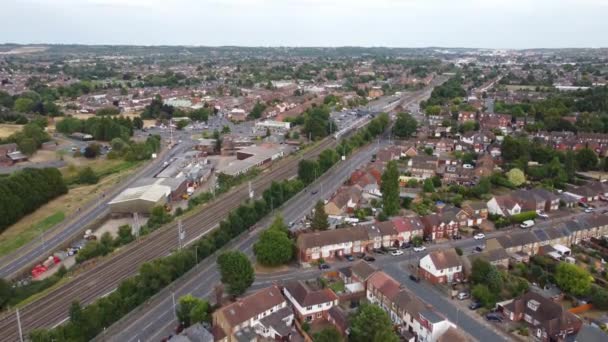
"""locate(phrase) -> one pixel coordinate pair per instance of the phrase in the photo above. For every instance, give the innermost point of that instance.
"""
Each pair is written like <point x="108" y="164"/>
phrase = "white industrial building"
<point x="140" y="199"/>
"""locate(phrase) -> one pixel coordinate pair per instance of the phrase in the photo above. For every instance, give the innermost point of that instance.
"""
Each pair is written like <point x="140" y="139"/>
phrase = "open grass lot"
<point x="54" y="212"/>
<point x="8" y="129"/>
<point x="13" y="239"/>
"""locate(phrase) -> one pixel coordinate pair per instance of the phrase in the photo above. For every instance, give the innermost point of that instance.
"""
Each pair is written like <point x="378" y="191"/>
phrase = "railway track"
<point x="104" y="277"/>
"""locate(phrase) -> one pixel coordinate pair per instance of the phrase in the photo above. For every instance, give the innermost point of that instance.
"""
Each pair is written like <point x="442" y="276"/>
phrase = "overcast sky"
<point x="395" y="23"/>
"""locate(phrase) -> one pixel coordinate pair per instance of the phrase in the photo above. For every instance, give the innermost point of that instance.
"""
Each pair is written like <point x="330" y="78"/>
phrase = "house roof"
<point x="550" y="315"/>
<point x="453" y="335"/>
<point x="517" y="239"/>
<point x="591" y="333"/>
<point x="276" y="320"/>
<point x="386" y="285"/>
<point x="445" y="259"/>
<point x="305" y="296"/>
<point x="492" y="255"/>
<point x="407" y="224"/>
<point x="252" y="305"/>
<point x="329" y="237"/>
<point x="363" y="270"/>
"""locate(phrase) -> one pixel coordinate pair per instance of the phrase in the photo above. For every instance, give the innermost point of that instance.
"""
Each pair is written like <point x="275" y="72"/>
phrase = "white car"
<point x="467" y="166"/>
<point x="419" y="249"/>
<point x="542" y="215"/>
<point x="527" y="224"/>
<point x="588" y="210"/>
<point x="397" y="253"/>
<point x="479" y="236"/>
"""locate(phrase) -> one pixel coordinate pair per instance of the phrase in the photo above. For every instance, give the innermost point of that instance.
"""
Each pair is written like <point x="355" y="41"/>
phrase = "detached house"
<point x="264" y="313"/>
<point x="345" y="201"/>
<point x="547" y="320"/>
<point x="441" y="267"/>
<point x="423" y="167"/>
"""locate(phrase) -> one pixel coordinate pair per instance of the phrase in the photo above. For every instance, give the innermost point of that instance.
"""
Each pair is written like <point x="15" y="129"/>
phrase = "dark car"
<point x="479" y="249"/>
<point x="406" y="245"/>
<point x="369" y="258"/>
<point x="314" y="192"/>
<point x="492" y="317"/>
<point x="379" y="251"/>
<point x="457" y="237"/>
<point x="474" y="305"/>
<point x="349" y="257"/>
<point x="414" y="278"/>
<point x="323" y="266"/>
<point x="361" y="255"/>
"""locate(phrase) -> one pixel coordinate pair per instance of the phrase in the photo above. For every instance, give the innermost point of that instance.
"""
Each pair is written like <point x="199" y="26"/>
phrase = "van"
<point x="527" y="224"/>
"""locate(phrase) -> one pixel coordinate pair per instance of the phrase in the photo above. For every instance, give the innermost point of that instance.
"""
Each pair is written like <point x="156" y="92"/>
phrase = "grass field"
<point x="10" y="242"/>
<point x="8" y="129"/>
<point x="28" y="228"/>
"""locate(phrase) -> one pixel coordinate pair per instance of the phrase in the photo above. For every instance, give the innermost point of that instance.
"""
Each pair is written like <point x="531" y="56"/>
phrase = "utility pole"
<point x="136" y="225"/>
<point x="251" y="191"/>
<point x="180" y="234"/>
<point x="19" y="326"/>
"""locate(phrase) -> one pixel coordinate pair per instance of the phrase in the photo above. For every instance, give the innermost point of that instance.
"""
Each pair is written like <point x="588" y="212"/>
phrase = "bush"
<point x="519" y="218"/>
<point x="87" y="176"/>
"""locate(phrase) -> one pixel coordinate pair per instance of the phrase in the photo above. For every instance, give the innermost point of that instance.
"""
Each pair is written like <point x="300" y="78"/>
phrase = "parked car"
<point x="414" y="278"/>
<point x="369" y="258"/>
<point x="542" y="215"/>
<point x="379" y="251"/>
<point x="463" y="295"/>
<point x="588" y="210"/>
<point x="406" y="245"/>
<point x="479" y="248"/>
<point x="474" y="305"/>
<point x="583" y="205"/>
<point x="527" y="224"/>
<point x="467" y="166"/>
<point x="419" y="249"/>
<point x="324" y="266"/>
<point x="349" y="257"/>
<point x="361" y="255"/>
<point x="493" y="317"/>
<point x="479" y="236"/>
<point x="396" y="253"/>
<point x="457" y="237"/>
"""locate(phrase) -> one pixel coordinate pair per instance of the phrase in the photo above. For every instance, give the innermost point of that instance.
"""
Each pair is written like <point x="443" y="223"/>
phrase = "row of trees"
<point x="275" y="247"/>
<point x="134" y="151"/>
<point x="101" y="128"/>
<point x="30" y="138"/>
<point x="157" y="274"/>
<point x="24" y="191"/>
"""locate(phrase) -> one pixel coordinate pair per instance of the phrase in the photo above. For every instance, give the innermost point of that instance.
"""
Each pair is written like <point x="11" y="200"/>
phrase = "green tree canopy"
<point x="405" y="125"/>
<point x="371" y="324"/>
<point x="516" y="176"/>
<point x="192" y="310"/>
<point x="329" y="334"/>
<point x="319" y="220"/>
<point x="274" y="246"/>
<point x="390" y="189"/>
<point x="573" y="279"/>
<point x="586" y="159"/>
<point x="236" y="271"/>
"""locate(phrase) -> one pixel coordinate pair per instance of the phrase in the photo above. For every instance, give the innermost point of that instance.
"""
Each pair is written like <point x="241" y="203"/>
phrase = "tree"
<point x="327" y="159"/>
<point x="92" y="151"/>
<point x="319" y="220"/>
<point x="256" y="111"/>
<point x="87" y="176"/>
<point x="390" y="189"/>
<point x="586" y="159"/>
<point x="274" y="246"/>
<point x="125" y="235"/>
<point x="236" y="271"/>
<point x="573" y="279"/>
<point x="516" y="176"/>
<point x="308" y="171"/>
<point x="483" y="294"/>
<point x="192" y="310"/>
<point x="570" y="165"/>
<point x="599" y="298"/>
<point x="417" y="241"/>
<point x="371" y="324"/>
<point x="138" y="122"/>
<point x="428" y="185"/>
<point x="23" y="105"/>
<point x="5" y="293"/>
<point x="27" y="146"/>
<point x="405" y="125"/>
<point x="329" y="334"/>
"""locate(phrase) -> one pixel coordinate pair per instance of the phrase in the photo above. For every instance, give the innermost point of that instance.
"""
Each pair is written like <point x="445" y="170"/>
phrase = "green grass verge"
<point x="30" y="233"/>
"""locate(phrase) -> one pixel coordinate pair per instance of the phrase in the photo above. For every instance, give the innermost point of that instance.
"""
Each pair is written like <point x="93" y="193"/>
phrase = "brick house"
<point x="309" y="304"/>
<point x="263" y="313"/>
<point x="441" y="267"/>
<point x="331" y="243"/>
<point x="408" y="227"/>
<point x="445" y="223"/>
<point x="547" y="320"/>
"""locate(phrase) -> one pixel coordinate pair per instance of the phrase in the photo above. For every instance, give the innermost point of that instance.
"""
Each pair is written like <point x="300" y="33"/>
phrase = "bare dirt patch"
<point x="7" y="129"/>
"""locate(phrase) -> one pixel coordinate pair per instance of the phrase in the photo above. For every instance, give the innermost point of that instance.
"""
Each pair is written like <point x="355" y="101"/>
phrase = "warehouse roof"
<point x="152" y="193"/>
